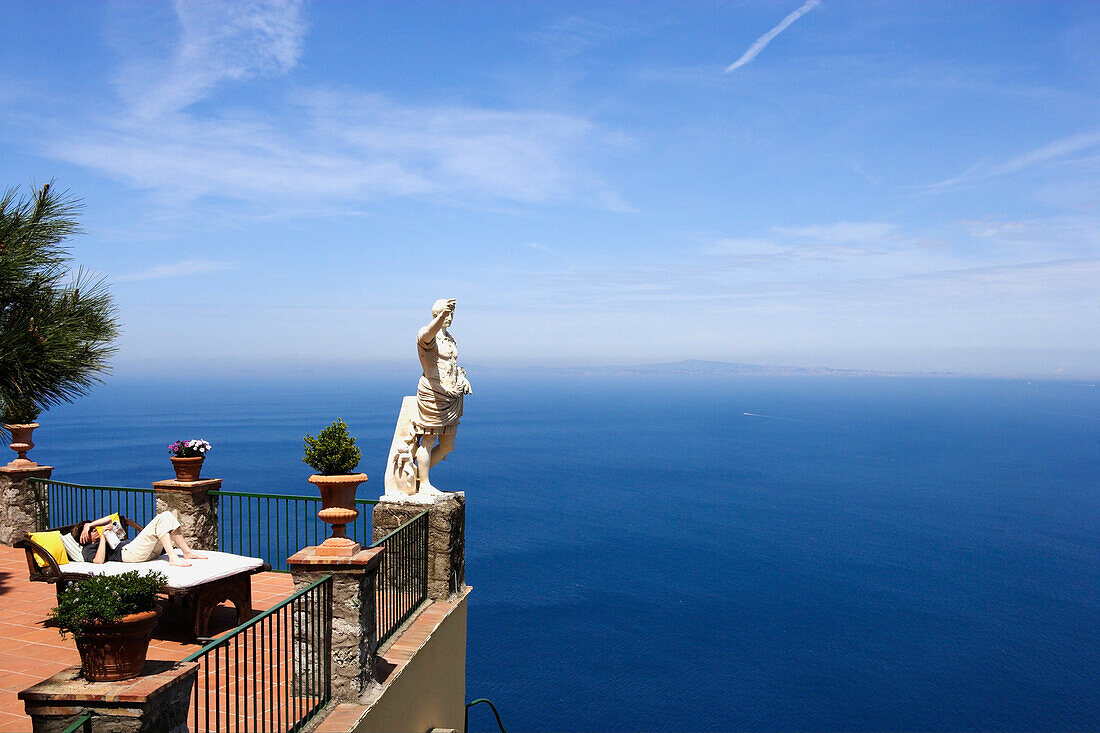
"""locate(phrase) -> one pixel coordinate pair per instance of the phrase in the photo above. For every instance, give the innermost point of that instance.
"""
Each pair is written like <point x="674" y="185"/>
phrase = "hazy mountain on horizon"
<point x="700" y="367"/>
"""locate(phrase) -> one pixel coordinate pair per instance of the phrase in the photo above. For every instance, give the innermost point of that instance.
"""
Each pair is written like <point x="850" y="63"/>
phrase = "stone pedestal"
<point x="354" y="628"/>
<point x="22" y="504"/>
<point x="157" y="701"/>
<point x="195" y="509"/>
<point x="446" y="536"/>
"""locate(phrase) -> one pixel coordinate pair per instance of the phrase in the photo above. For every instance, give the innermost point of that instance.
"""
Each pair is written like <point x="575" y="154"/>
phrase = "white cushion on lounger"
<point x="217" y="565"/>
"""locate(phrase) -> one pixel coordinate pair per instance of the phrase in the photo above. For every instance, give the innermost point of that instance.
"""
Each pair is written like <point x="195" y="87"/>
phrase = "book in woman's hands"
<point x="112" y="532"/>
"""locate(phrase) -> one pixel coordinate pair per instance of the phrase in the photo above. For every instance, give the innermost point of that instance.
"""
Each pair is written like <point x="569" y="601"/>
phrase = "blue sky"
<point x="282" y="186"/>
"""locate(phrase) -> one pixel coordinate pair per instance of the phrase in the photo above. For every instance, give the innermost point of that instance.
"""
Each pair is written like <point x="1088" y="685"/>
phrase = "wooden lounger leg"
<point x="237" y="590"/>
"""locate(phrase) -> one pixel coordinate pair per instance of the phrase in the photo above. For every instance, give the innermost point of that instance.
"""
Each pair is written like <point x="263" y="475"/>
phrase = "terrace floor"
<point x="30" y="651"/>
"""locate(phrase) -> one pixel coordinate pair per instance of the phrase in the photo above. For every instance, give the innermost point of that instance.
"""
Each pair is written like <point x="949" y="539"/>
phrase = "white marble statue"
<point x="425" y="435"/>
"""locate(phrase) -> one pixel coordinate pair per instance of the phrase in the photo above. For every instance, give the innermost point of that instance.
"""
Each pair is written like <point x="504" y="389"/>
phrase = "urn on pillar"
<point x="21" y="443"/>
<point x="18" y="416"/>
<point x="333" y="455"/>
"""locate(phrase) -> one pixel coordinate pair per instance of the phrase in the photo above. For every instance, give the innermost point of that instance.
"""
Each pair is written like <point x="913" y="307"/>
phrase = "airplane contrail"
<point x="765" y="39"/>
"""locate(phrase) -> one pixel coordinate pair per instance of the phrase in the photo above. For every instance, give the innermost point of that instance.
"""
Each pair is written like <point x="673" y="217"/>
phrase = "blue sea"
<point x="700" y="553"/>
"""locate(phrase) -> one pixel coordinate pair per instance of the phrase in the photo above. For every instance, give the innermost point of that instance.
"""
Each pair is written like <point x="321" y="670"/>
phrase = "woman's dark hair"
<point x="77" y="529"/>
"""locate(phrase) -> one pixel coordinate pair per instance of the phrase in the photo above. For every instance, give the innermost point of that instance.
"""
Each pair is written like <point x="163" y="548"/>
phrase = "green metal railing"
<point x="269" y="526"/>
<point x="271" y="673"/>
<point x="479" y="701"/>
<point x="402" y="575"/>
<point x="66" y="503"/>
<point x="275" y="526"/>
<point x="82" y="724"/>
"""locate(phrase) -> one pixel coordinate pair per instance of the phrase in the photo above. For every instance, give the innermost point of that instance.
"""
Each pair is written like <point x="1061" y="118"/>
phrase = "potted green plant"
<point x="333" y="455"/>
<point x="187" y="457"/>
<point x="18" y="416"/>
<point x="112" y="618"/>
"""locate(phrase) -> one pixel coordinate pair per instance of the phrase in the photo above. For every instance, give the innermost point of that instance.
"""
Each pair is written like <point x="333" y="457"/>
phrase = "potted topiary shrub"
<point x="333" y="455"/>
<point x="112" y="618"/>
<point x="18" y="415"/>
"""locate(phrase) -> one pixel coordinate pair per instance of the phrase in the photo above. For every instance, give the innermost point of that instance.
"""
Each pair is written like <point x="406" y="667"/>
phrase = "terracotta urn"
<point x="21" y="443"/>
<point x="116" y="651"/>
<point x="187" y="469"/>
<point x="338" y="509"/>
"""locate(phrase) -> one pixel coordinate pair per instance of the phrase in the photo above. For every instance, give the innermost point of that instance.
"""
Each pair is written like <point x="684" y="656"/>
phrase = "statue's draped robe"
<point x="439" y="392"/>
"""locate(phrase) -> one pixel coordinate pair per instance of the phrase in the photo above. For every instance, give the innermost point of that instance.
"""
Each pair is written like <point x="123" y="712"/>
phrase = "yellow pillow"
<point x="103" y="527"/>
<point x="51" y="543"/>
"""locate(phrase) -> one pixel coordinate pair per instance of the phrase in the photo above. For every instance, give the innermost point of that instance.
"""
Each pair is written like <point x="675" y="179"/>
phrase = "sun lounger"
<point x="222" y="576"/>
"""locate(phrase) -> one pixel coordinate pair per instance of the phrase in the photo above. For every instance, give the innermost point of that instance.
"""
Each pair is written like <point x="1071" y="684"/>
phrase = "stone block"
<point x="23" y="505"/>
<point x="193" y="506"/>
<point x="446" y="538"/>
<point x="354" y="634"/>
<point x="157" y="700"/>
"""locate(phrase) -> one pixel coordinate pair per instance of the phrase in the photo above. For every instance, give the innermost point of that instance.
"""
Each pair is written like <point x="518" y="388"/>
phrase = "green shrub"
<point x="333" y="451"/>
<point x="106" y="598"/>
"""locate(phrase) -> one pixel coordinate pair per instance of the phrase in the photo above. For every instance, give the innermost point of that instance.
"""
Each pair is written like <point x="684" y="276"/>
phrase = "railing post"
<point x="354" y="635"/>
<point x="193" y="506"/>
<point x="23" y="505"/>
<point x="446" y="536"/>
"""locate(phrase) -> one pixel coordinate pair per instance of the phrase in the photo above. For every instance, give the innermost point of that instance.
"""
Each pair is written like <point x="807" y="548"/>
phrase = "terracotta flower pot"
<point x="21" y="443"/>
<point x="338" y="506"/>
<point x="116" y="651"/>
<point x="187" y="469"/>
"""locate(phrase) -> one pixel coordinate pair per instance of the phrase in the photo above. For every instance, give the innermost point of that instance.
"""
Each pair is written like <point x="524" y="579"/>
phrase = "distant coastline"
<point x="702" y="368"/>
<point x="698" y="367"/>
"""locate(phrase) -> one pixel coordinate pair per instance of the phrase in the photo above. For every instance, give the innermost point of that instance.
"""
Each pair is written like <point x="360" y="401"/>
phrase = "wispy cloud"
<point x="218" y="42"/>
<point x="573" y="35"/>
<point x="843" y="232"/>
<point x="761" y="43"/>
<point x="175" y="269"/>
<point x="1055" y="151"/>
<point x="316" y="146"/>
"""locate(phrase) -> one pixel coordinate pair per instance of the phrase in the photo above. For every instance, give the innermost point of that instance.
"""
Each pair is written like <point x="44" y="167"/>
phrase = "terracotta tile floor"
<point x="31" y="651"/>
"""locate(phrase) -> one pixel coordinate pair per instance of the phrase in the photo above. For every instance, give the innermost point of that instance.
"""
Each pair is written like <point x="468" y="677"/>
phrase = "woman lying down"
<point x="111" y="545"/>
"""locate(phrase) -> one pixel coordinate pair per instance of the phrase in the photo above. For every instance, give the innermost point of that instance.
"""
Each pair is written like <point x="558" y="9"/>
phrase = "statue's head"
<point x="441" y="305"/>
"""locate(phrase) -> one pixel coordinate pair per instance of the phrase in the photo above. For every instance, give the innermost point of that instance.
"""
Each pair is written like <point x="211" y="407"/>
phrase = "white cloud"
<point x="175" y="269"/>
<point x="1057" y="150"/>
<point x="310" y="146"/>
<point x="573" y="35"/>
<point x="219" y="41"/>
<point x="760" y="43"/>
<point x="843" y="232"/>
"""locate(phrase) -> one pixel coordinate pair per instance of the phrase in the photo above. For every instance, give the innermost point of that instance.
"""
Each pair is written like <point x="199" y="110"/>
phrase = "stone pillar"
<point x="354" y="626"/>
<point x="156" y="701"/>
<point x="446" y="536"/>
<point x="195" y="509"/>
<point x="22" y="503"/>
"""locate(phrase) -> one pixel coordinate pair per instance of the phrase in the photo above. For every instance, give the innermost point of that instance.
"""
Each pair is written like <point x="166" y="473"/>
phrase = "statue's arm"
<point x="428" y="333"/>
